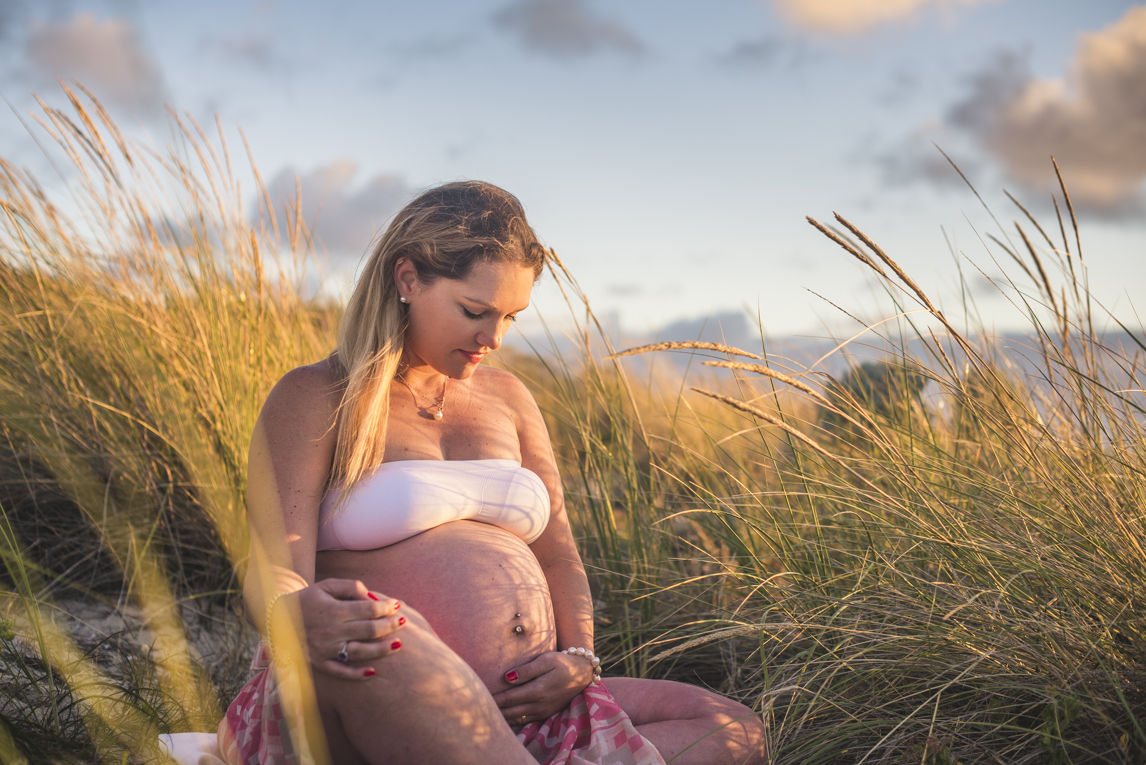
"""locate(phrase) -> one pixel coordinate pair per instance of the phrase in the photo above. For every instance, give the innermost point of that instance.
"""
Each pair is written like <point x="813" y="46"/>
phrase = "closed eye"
<point x="475" y="316"/>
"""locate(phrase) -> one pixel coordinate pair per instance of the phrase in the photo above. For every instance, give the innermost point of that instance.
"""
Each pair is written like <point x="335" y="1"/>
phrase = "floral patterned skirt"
<point x="592" y="730"/>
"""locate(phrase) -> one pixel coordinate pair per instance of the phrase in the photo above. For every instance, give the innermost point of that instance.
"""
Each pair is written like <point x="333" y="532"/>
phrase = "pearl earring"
<point x="402" y="300"/>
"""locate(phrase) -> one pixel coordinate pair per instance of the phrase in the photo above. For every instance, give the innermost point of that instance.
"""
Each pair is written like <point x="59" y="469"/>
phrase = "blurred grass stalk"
<point x="139" y="335"/>
<point x="936" y="557"/>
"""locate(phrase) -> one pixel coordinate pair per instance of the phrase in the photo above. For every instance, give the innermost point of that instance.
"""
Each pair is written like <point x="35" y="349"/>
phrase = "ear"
<point x="405" y="277"/>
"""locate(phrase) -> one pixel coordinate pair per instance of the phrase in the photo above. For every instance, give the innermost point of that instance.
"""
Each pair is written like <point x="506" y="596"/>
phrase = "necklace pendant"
<point x="438" y="415"/>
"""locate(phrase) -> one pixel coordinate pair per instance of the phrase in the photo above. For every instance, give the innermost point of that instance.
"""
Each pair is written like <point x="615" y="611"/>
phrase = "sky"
<point x="667" y="150"/>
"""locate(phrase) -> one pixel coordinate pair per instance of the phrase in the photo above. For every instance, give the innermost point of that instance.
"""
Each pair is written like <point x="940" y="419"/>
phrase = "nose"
<point x="490" y="337"/>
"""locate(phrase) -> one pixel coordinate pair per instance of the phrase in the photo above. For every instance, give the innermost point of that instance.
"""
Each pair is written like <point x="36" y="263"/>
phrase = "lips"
<point x="473" y="358"/>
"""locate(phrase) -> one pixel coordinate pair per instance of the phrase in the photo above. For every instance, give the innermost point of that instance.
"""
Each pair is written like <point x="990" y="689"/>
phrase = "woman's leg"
<point x="690" y="724"/>
<point x="424" y="705"/>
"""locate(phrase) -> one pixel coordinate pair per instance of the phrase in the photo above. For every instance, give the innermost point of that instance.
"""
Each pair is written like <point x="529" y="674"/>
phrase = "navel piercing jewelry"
<point x="343" y="656"/>
<point x="519" y="630"/>
<point x="517" y="616"/>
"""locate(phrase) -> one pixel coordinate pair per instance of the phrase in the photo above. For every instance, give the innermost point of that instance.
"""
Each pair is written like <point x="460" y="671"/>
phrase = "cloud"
<point x="851" y="17"/>
<point x="918" y="159"/>
<point x="11" y="13"/>
<point x="348" y="216"/>
<point x="257" y="51"/>
<point x="764" y="53"/>
<point x="433" y="47"/>
<point x="729" y="327"/>
<point x="1093" y="121"/>
<point x="105" y="56"/>
<point x="625" y="289"/>
<point x="903" y="87"/>
<point x="565" y="28"/>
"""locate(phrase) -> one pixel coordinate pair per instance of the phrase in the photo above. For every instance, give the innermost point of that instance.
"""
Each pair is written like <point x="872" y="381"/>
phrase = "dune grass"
<point x="935" y="557"/>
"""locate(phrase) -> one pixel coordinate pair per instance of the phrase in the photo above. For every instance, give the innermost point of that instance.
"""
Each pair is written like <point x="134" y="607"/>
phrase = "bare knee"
<point x="679" y="716"/>
<point x="748" y="732"/>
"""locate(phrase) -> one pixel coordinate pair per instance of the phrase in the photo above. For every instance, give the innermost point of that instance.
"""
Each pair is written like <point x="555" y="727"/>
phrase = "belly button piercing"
<point x="517" y="616"/>
<point x="519" y="629"/>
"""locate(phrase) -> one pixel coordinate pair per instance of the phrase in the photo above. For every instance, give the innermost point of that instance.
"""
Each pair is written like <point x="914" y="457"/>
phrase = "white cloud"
<point x="565" y="28"/>
<point x="849" y="17"/>
<point x="345" y="217"/>
<point x="105" y="56"/>
<point x="1093" y="121"/>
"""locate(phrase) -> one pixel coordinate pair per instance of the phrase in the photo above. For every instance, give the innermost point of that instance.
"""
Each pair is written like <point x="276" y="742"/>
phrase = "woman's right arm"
<point x="292" y="450"/>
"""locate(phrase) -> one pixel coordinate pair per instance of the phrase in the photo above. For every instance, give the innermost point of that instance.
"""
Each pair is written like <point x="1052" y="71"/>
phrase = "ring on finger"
<point x="523" y="719"/>
<point x="342" y="655"/>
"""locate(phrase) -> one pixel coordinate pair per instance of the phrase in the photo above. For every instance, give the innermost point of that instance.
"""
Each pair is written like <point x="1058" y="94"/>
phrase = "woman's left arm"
<point x="545" y="685"/>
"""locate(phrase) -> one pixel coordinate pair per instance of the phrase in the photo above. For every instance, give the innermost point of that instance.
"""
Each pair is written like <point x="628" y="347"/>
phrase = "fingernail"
<point x="511" y="676"/>
<point x="401" y="620"/>
<point x="368" y="672"/>
<point x="397" y="605"/>
<point x="395" y="645"/>
<point x="372" y="596"/>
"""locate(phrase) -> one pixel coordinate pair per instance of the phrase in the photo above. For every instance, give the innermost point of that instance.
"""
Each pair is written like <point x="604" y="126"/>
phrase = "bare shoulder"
<point x="314" y="384"/>
<point x="507" y="388"/>
<point x="305" y="399"/>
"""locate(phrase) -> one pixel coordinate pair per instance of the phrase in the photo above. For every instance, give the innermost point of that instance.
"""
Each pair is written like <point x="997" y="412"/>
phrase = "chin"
<point x="466" y="372"/>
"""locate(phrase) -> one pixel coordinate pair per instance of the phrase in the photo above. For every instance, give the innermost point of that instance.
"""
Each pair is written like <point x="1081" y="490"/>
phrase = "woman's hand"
<point x="342" y="612"/>
<point x="543" y="687"/>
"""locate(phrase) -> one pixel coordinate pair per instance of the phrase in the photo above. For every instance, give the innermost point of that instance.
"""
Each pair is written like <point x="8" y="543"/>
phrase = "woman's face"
<point x="454" y="323"/>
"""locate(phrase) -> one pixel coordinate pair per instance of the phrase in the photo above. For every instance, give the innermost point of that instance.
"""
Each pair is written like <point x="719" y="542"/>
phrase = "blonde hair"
<point x="443" y="233"/>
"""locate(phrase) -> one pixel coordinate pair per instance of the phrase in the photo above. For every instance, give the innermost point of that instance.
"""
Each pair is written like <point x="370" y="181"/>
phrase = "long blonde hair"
<point x="443" y="233"/>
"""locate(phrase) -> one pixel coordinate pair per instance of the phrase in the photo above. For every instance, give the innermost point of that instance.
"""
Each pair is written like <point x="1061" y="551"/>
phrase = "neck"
<point x="418" y="374"/>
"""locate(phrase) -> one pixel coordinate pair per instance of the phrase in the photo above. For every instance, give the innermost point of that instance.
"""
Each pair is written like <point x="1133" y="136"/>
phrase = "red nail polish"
<point x="395" y="645"/>
<point x="372" y="596"/>
<point x="511" y="676"/>
<point x="369" y="672"/>
<point x="397" y="605"/>
<point x="401" y="620"/>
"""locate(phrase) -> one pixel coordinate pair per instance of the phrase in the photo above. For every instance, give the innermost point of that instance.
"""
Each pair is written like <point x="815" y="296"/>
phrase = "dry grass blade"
<point x="712" y="637"/>
<point x="1039" y="266"/>
<point x="1069" y="206"/>
<point x="840" y="241"/>
<point x="769" y="418"/>
<point x="685" y="345"/>
<point x="890" y="263"/>
<point x="1014" y="257"/>
<point x="767" y="372"/>
<point x="1034" y="221"/>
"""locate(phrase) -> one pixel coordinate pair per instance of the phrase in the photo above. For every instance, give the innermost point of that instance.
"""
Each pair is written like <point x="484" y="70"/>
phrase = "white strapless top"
<point x="404" y="498"/>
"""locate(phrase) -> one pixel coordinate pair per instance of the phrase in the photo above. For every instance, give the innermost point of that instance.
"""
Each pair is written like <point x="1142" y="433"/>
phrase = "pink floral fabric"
<point x="593" y="730"/>
<point x="255" y="730"/>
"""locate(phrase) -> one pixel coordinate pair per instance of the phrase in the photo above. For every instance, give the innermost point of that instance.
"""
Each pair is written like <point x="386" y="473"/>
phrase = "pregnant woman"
<point x="402" y="466"/>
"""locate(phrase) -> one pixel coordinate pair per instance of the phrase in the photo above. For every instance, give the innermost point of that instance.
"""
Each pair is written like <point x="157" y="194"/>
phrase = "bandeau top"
<point x="404" y="498"/>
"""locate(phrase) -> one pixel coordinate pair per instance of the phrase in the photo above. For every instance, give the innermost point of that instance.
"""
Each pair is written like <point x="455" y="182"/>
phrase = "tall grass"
<point x="139" y="336"/>
<point x="934" y="558"/>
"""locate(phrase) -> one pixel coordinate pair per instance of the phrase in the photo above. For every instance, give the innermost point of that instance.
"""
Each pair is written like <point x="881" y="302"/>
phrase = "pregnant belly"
<point x="475" y="583"/>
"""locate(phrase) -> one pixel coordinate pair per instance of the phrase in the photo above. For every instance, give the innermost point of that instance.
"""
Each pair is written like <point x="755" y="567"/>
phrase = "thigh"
<point x="424" y="705"/>
<point x="653" y="701"/>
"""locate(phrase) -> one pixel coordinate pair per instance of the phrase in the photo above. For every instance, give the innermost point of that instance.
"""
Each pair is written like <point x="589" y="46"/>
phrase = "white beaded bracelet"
<point x="592" y="659"/>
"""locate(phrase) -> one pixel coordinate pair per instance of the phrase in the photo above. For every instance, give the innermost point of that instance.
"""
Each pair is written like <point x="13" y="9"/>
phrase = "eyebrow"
<point x="489" y="307"/>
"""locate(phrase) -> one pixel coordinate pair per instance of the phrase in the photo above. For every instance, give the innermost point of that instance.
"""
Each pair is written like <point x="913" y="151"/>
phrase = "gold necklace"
<point x="440" y="402"/>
